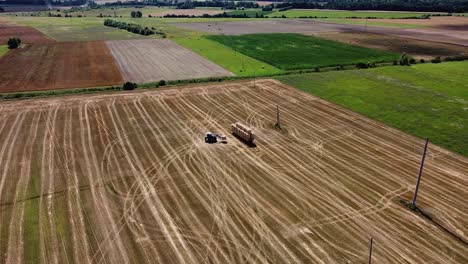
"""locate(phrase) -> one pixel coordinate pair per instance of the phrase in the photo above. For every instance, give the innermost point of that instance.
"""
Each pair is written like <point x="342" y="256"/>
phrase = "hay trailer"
<point x="243" y="132"/>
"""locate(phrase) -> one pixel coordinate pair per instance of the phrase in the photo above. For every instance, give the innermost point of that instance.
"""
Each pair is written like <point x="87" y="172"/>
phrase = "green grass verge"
<point x="426" y="100"/>
<point x="3" y="50"/>
<point x="233" y="61"/>
<point x="295" y="51"/>
<point x="295" y="13"/>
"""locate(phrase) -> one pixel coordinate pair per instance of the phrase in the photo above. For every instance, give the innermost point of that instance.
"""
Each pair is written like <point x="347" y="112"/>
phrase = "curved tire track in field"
<point x="131" y="179"/>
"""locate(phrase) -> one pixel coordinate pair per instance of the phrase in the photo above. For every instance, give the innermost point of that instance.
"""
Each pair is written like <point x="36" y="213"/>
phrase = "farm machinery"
<point x="212" y="138"/>
<point x="243" y="132"/>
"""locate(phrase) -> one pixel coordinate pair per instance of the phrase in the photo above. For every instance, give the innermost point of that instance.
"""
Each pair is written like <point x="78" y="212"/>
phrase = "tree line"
<point x="134" y="28"/>
<point x="449" y="6"/>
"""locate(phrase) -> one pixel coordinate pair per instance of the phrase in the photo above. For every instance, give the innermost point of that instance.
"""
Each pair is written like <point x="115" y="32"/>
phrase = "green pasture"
<point x="233" y="61"/>
<point x="426" y="100"/>
<point x="294" y="51"/>
<point x="3" y="50"/>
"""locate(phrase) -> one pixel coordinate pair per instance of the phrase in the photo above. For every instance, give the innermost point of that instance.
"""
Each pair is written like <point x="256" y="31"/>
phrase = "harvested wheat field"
<point x="152" y="60"/>
<point x="189" y="12"/>
<point x="414" y="47"/>
<point x="58" y="66"/>
<point x="127" y="178"/>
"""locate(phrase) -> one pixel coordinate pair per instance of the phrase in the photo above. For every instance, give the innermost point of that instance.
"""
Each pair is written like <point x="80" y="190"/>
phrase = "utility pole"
<point x="370" y="250"/>
<point x="278" y="124"/>
<point x="420" y="173"/>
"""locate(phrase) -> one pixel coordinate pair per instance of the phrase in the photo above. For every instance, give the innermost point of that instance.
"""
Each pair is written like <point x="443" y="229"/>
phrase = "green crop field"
<point x="295" y="13"/>
<point x="233" y="61"/>
<point x="3" y="50"/>
<point x="426" y="100"/>
<point x="294" y="51"/>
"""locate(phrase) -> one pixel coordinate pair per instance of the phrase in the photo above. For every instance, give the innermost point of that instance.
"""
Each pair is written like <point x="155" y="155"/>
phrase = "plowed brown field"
<point x="57" y="66"/>
<point x="28" y="35"/>
<point x="414" y="47"/>
<point x="127" y="178"/>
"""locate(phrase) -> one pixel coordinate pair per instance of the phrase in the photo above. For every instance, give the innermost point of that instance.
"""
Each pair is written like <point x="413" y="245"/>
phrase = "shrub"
<point x="436" y="60"/>
<point x="128" y="86"/>
<point x="161" y="83"/>
<point x="362" y="65"/>
<point x="457" y="58"/>
<point x="405" y="60"/>
<point x="422" y="60"/>
<point x="14" y="43"/>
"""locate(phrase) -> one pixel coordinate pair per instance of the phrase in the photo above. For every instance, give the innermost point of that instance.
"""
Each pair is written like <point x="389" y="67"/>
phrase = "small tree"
<point x="405" y="60"/>
<point x="133" y="14"/>
<point x="14" y="43"/>
<point x="162" y="83"/>
<point x="128" y="86"/>
<point x="436" y="60"/>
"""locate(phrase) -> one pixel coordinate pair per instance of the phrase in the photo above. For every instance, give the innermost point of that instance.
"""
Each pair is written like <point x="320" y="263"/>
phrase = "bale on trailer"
<point x="243" y="132"/>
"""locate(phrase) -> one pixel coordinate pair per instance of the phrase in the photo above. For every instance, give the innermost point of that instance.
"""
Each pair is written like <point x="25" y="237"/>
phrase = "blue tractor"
<point x="211" y="138"/>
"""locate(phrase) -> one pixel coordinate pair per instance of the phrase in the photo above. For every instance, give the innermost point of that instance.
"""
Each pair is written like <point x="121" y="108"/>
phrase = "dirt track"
<point x="58" y="66"/>
<point x="127" y="178"/>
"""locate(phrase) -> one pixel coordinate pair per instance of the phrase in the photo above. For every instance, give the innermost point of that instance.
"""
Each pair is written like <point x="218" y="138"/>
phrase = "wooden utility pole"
<point x="420" y="173"/>
<point x="278" y="124"/>
<point x="370" y="250"/>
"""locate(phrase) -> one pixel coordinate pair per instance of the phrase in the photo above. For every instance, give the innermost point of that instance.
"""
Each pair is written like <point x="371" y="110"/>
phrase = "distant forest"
<point x="453" y="6"/>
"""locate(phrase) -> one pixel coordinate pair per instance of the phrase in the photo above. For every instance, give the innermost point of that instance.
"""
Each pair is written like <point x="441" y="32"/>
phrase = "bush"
<point x="362" y="65"/>
<point x="128" y="86"/>
<point x="14" y="43"/>
<point x="456" y="58"/>
<point x="406" y="60"/>
<point x="436" y="60"/>
<point x="422" y="61"/>
<point x="161" y="83"/>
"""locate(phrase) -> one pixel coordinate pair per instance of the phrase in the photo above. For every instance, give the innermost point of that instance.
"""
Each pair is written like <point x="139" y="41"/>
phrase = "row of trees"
<point x="136" y="14"/>
<point x="224" y="14"/>
<point x="134" y="28"/>
<point x="450" y="6"/>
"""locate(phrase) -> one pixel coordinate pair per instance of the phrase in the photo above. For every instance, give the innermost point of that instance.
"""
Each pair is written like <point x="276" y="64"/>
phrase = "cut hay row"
<point x="154" y="60"/>
<point x="127" y="178"/>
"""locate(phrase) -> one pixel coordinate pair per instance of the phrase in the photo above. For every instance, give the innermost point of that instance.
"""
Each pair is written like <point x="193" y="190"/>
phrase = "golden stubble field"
<point x="127" y="178"/>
